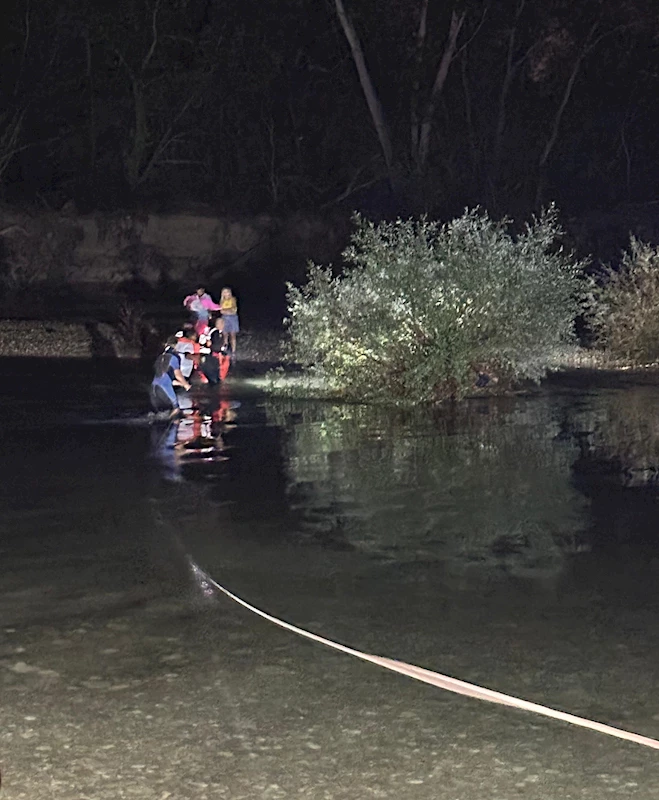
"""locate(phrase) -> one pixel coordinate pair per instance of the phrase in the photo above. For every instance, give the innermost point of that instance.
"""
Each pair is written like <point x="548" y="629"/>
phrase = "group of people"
<point x="203" y="350"/>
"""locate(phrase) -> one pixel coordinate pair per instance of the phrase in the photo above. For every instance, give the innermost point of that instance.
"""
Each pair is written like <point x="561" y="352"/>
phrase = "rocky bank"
<point x="96" y="251"/>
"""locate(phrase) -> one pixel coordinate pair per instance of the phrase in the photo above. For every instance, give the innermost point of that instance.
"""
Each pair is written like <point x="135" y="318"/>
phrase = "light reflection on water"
<point x="512" y="485"/>
<point x="518" y="488"/>
<point x="485" y="483"/>
<point x="338" y="519"/>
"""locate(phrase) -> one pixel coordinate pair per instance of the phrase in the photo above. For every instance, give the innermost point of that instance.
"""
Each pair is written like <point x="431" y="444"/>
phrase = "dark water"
<point x="550" y="493"/>
<point x="511" y="542"/>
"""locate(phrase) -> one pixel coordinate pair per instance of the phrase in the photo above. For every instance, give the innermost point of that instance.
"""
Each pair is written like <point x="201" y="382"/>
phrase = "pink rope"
<point x="427" y="676"/>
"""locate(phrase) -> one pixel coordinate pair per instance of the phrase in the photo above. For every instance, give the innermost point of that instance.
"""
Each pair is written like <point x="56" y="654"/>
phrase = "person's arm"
<point x="181" y="380"/>
<point x="231" y="308"/>
<point x="207" y="302"/>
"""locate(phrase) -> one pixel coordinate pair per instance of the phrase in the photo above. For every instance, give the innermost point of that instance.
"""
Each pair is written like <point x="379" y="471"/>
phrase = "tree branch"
<point x="166" y="140"/>
<point x="588" y="45"/>
<point x="351" y="188"/>
<point x="440" y="79"/>
<point x="463" y="47"/>
<point x="511" y="70"/>
<point x="26" y="40"/>
<point x="416" y="85"/>
<point x="368" y="88"/>
<point x="154" y="41"/>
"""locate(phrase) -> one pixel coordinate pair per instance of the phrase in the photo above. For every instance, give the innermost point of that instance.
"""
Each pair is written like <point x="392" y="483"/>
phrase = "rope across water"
<point x="427" y="676"/>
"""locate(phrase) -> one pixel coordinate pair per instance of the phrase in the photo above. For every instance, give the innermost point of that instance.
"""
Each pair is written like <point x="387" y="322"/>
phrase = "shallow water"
<point x="512" y="543"/>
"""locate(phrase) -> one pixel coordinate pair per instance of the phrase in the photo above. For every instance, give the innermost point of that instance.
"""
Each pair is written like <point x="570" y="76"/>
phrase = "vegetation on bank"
<point x="623" y="308"/>
<point x="423" y="312"/>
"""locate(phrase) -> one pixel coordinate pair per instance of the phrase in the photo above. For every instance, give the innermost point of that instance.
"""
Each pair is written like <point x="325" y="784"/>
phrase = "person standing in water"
<point x="215" y="360"/>
<point x="229" y="311"/>
<point x="187" y="347"/>
<point x="200" y="304"/>
<point x="167" y="375"/>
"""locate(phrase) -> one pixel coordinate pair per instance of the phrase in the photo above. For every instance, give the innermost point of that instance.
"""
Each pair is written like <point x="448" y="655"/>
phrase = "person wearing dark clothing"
<point x="217" y="360"/>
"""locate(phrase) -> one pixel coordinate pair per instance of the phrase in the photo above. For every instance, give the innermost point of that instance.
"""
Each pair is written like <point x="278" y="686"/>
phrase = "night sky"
<point x="260" y="106"/>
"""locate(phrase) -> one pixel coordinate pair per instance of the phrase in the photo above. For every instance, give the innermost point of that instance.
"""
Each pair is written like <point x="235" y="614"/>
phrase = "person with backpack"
<point x="166" y="375"/>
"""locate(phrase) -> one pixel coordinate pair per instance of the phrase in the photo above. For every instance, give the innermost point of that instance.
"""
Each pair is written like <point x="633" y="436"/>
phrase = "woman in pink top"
<point x="200" y="304"/>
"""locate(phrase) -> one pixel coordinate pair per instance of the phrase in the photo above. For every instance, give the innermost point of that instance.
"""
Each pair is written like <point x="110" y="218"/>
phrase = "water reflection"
<point x="619" y="435"/>
<point x="195" y="437"/>
<point x="513" y="487"/>
<point x="487" y="483"/>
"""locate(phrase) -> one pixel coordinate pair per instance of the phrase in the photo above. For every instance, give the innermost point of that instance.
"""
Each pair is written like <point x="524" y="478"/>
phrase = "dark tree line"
<point x="393" y="106"/>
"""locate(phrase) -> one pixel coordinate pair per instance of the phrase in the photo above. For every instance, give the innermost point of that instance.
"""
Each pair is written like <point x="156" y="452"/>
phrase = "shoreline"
<point x="261" y="349"/>
<point x="88" y="340"/>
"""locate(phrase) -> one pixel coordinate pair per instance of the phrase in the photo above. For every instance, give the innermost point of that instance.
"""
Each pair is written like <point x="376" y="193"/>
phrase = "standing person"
<point x="216" y="361"/>
<point x="200" y="304"/>
<point x="229" y="311"/>
<point x="166" y="375"/>
<point x="219" y="347"/>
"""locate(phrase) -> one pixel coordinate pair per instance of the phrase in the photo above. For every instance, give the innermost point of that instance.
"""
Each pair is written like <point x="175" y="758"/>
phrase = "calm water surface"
<point x="511" y="542"/>
<point x="546" y="498"/>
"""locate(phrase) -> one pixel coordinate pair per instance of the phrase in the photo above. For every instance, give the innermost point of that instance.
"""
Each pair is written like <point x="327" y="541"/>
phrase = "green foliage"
<point x="624" y="308"/>
<point x="422" y="308"/>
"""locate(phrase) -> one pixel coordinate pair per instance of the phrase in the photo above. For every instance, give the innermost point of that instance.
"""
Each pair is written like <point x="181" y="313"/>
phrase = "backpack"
<point x="161" y="364"/>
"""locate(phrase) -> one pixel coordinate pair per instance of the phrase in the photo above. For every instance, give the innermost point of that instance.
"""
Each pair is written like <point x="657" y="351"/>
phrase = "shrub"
<point x="131" y="322"/>
<point x="422" y="308"/>
<point x="624" y="306"/>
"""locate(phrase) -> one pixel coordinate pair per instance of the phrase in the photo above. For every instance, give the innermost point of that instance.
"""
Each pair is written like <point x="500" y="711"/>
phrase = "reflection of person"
<point x="164" y="449"/>
<point x="166" y="375"/>
<point x="195" y="437"/>
<point x="229" y="311"/>
<point x="226" y="411"/>
<point x="200" y="304"/>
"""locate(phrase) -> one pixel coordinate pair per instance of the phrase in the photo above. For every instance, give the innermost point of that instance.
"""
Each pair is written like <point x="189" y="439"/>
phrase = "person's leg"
<point x="209" y="367"/>
<point x="168" y="389"/>
<point x="231" y="327"/>
<point x="153" y="397"/>
<point x="225" y="363"/>
<point x="163" y="397"/>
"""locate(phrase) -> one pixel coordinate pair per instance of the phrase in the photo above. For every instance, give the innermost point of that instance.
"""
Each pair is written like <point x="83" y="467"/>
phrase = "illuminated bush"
<point x="625" y="306"/>
<point x="422" y="308"/>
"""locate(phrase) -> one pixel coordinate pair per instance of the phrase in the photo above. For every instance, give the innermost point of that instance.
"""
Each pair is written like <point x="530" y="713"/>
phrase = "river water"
<point x="512" y="543"/>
